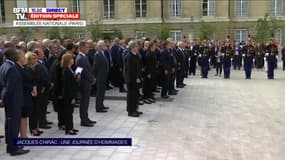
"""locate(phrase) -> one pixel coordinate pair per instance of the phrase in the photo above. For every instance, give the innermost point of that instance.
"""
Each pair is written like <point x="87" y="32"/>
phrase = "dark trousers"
<point x="43" y="108"/>
<point x="12" y="124"/>
<point x="84" y="101"/>
<point x="180" y="77"/>
<point x="148" y="87"/>
<point x="283" y="65"/>
<point x="100" y="94"/>
<point x="270" y="69"/>
<point x="192" y="69"/>
<point x="219" y="68"/>
<point x="59" y="105"/>
<point x="68" y="109"/>
<point x="165" y="84"/>
<point x="227" y="69"/>
<point x="34" y="118"/>
<point x="132" y="97"/>
<point x="248" y="69"/>
<point x="171" y="82"/>
<point x="204" y="70"/>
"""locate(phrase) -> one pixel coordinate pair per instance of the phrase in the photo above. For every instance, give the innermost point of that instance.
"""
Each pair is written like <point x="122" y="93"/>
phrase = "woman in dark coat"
<point x="70" y="88"/>
<point x="29" y="90"/>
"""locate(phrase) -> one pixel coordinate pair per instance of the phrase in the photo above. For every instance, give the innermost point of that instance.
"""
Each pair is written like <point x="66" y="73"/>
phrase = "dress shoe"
<point x="172" y="93"/>
<point x="165" y="97"/>
<point x="146" y="101"/>
<point x="101" y="111"/>
<point x="109" y="87"/>
<point x="1" y="136"/>
<point x="176" y="90"/>
<point x="105" y="108"/>
<point x="19" y="152"/>
<point x="180" y="86"/>
<point x="45" y="127"/>
<point x="87" y="124"/>
<point x="184" y="84"/>
<point x="134" y="114"/>
<point x="75" y="130"/>
<point x="90" y="121"/>
<point x="70" y="132"/>
<point x="48" y="123"/>
<point x="138" y="112"/>
<point x="151" y="100"/>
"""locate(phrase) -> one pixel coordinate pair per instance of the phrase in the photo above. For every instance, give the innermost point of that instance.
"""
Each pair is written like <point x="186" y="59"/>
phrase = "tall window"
<point x="175" y="8"/>
<point x="51" y="3"/>
<point x="277" y="7"/>
<point x="242" y="8"/>
<point x="208" y="8"/>
<point x="241" y="35"/>
<point x="109" y="9"/>
<point x="141" y="8"/>
<point x="22" y="4"/>
<point x="2" y="11"/>
<point x="176" y="35"/>
<point x="77" y="6"/>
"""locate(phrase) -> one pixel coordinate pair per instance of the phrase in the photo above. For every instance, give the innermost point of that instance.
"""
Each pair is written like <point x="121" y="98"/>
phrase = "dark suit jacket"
<point x="166" y="60"/>
<point x="86" y="75"/>
<point x="180" y="56"/>
<point x="11" y="86"/>
<point x="101" y="67"/>
<point x="70" y="85"/>
<point x="44" y="76"/>
<point x="115" y="54"/>
<point x="133" y="68"/>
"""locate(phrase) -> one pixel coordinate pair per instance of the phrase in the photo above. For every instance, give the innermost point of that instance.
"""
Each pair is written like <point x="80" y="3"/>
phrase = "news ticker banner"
<point x="73" y="142"/>
<point x="47" y="17"/>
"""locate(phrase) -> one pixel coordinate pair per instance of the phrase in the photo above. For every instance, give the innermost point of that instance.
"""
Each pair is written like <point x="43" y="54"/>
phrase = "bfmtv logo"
<point x="21" y="13"/>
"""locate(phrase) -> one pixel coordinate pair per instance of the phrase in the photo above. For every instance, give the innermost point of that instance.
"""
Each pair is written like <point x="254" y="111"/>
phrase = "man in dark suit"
<point x="166" y="68"/>
<point x="181" y="65"/>
<point x="13" y="100"/>
<point x="44" y="87"/>
<point x="101" y="70"/>
<point x="86" y="81"/>
<point x="133" y="76"/>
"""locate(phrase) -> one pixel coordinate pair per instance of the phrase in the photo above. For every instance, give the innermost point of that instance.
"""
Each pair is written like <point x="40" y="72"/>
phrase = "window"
<point x="140" y="8"/>
<point x="175" y="8"/>
<point x="242" y="8"/>
<point x="278" y="36"/>
<point x="277" y="7"/>
<point x="176" y="35"/>
<point x="109" y="9"/>
<point x="77" y="6"/>
<point x="51" y="3"/>
<point x="22" y="4"/>
<point x="2" y="11"/>
<point x="241" y="35"/>
<point x="208" y="8"/>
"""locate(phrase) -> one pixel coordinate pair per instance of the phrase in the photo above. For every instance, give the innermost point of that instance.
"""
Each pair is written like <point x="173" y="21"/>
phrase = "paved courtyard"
<point x="210" y="119"/>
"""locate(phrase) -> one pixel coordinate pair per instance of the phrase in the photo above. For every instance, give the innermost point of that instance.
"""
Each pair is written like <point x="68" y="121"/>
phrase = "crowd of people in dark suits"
<point x="67" y="73"/>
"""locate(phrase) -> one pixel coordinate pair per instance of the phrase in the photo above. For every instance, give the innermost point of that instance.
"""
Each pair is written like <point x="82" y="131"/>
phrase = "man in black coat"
<point x="11" y="88"/>
<point x="86" y="81"/>
<point x="133" y="76"/>
<point x="101" y="70"/>
<point x="181" y="65"/>
<point x="44" y="87"/>
<point x="166" y="68"/>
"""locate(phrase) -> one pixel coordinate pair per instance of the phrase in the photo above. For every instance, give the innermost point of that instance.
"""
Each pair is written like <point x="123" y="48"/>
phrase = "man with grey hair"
<point x="101" y="70"/>
<point x="133" y="73"/>
<point x="180" y="56"/>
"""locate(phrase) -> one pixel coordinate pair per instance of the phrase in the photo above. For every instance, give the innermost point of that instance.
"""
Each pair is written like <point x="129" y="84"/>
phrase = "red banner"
<point x="54" y="16"/>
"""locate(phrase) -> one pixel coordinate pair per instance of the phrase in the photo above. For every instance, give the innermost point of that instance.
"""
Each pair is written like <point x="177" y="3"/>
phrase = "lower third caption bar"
<point x="73" y="141"/>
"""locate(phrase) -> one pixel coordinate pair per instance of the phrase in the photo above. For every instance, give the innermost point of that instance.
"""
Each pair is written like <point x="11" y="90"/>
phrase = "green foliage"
<point x="265" y="27"/>
<point x="68" y="33"/>
<point x="205" y="30"/>
<point x="160" y="31"/>
<point x="25" y="34"/>
<point x="54" y="33"/>
<point x="96" y="29"/>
